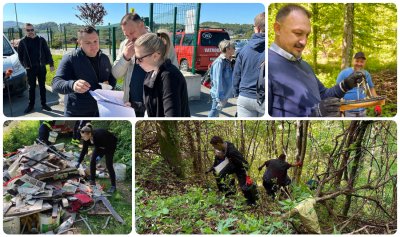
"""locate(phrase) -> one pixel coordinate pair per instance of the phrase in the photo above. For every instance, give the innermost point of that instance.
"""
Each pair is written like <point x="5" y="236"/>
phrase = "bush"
<point x="56" y="44"/>
<point x="19" y="134"/>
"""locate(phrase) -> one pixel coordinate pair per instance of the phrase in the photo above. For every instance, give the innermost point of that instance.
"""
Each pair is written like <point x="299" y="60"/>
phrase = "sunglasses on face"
<point x="30" y="30"/>
<point x="141" y="58"/>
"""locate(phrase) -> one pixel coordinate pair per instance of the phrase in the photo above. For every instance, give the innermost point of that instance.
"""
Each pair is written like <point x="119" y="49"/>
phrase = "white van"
<point x="17" y="82"/>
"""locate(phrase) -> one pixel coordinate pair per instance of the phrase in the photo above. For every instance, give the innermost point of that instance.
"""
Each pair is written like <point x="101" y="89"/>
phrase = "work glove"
<point x="351" y="81"/>
<point x="249" y="181"/>
<point x="329" y="107"/>
<point x="260" y="168"/>
<point x="378" y="111"/>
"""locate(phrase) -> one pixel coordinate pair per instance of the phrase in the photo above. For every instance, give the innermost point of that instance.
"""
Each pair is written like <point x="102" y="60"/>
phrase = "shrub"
<point x="19" y="134"/>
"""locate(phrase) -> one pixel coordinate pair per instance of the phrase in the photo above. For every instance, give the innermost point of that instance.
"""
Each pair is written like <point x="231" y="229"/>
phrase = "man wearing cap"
<point x="358" y="93"/>
<point x="294" y="89"/>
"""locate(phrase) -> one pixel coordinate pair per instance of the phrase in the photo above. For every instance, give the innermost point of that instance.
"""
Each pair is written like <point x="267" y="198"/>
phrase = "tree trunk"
<point x="361" y="130"/>
<point x="314" y="7"/>
<point x="169" y="141"/>
<point x="349" y="140"/>
<point x="274" y="146"/>
<point x="348" y="31"/>
<point x="301" y="147"/>
<point x="242" y="140"/>
<point x="200" y="165"/>
<point x="192" y="150"/>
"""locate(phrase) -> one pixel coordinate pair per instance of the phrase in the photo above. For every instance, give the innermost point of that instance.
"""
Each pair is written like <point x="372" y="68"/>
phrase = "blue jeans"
<point x="248" y="107"/>
<point x="214" y="112"/>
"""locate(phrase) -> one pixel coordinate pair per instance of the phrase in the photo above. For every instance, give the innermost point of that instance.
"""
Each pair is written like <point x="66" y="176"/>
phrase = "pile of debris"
<point x="45" y="193"/>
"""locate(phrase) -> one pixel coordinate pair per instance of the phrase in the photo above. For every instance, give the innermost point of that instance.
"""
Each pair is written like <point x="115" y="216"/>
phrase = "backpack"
<point x="260" y="92"/>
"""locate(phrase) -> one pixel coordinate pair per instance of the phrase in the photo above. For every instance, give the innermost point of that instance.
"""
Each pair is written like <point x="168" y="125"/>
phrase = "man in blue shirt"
<point x="358" y="93"/>
<point x="294" y="90"/>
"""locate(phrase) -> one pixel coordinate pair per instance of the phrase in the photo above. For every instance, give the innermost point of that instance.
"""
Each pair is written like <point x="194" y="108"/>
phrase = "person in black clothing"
<point x="80" y="71"/>
<point x="105" y="143"/>
<point x="34" y="54"/>
<point x="165" y="89"/>
<point x="44" y="131"/>
<point x="276" y="174"/>
<point x="237" y="165"/>
<point x="225" y="184"/>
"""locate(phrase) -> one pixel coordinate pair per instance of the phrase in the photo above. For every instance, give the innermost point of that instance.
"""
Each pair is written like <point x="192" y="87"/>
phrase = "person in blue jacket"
<point x="293" y="88"/>
<point x="358" y="93"/>
<point x="247" y="70"/>
<point x="221" y="77"/>
<point x="80" y="71"/>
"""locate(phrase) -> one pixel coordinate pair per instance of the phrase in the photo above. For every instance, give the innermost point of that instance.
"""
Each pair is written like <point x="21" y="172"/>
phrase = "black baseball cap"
<point x="360" y="55"/>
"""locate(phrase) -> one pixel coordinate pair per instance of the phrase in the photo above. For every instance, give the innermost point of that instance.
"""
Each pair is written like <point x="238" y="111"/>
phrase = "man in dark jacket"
<point x="247" y="70"/>
<point x="276" y="174"/>
<point x="294" y="89"/>
<point x="225" y="184"/>
<point x="34" y="54"/>
<point x="80" y="71"/>
<point x="237" y="165"/>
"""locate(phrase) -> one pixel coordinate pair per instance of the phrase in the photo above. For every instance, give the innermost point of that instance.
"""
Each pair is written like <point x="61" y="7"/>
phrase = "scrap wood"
<point x="5" y="184"/>
<point x="46" y="163"/>
<point x="28" y="210"/>
<point x="28" y="179"/>
<point x="6" y="206"/>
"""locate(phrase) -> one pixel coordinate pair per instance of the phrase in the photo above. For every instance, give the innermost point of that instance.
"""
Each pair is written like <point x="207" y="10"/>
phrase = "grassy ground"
<point x="121" y="202"/>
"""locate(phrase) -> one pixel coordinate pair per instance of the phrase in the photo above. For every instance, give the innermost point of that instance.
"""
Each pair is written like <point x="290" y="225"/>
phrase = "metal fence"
<point x="176" y="16"/>
<point x="168" y="16"/>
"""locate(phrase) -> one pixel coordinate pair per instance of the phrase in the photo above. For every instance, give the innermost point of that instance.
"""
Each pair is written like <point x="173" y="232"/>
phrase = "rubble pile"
<point x="45" y="193"/>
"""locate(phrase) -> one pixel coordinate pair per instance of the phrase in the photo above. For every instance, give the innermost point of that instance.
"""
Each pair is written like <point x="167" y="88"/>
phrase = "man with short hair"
<point x="80" y="71"/>
<point x="34" y="54"/>
<point x="294" y="89"/>
<point x="276" y="174"/>
<point x="358" y="93"/>
<point x="125" y="64"/>
<point x="247" y="70"/>
<point x="237" y="165"/>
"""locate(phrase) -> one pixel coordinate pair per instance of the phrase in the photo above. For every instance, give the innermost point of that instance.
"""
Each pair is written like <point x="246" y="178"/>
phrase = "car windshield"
<point x="7" y="49"/>
<point x="213" y="38"/>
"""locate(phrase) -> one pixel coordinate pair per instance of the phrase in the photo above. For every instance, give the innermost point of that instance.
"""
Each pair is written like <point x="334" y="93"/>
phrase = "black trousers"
<point x="109" y="155"/>
<point x="271" y="186"/>
<point x="249" y="194"/>
<point x="38" y="72"/>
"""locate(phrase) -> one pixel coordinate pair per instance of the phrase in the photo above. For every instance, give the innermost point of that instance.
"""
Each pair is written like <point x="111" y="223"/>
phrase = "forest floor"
<point x="168" y="205"/>
<point x="385" y="82"/>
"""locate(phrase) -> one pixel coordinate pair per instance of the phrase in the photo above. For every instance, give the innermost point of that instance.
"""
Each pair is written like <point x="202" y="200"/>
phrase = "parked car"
<point x="207" y="47"/>
<point x="17" y="82"/>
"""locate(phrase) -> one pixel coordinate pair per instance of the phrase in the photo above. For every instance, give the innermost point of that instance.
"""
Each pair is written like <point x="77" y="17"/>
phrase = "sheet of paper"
<point x="110" y="104"/>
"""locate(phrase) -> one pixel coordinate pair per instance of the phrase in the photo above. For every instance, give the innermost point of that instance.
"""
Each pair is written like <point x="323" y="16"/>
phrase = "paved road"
<point x="19" y="104"/>
<point x="198" y="108"/>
